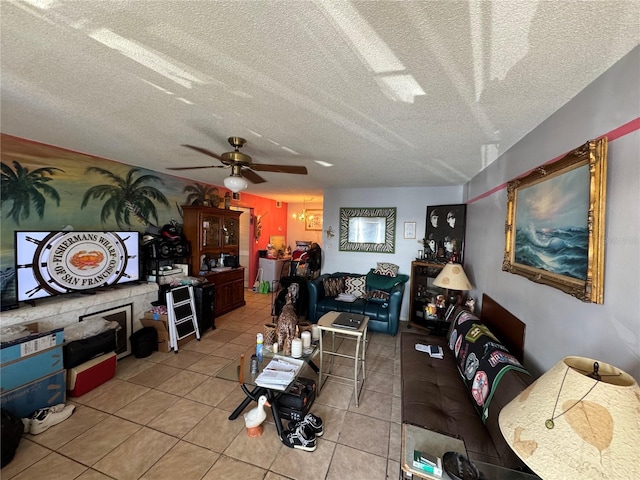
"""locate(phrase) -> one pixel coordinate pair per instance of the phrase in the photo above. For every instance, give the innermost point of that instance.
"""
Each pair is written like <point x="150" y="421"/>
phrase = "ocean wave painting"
<point x="556" y="223"/>
<point x="551" y="225"/>
<point x="557" y="250"/>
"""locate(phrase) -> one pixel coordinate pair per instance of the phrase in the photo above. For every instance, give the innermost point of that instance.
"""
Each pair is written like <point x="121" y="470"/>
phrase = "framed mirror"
<point x="368" y="230"/>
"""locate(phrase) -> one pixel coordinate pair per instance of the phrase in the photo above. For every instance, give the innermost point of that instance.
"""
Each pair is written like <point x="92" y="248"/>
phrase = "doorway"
<point x="245" y="241"/>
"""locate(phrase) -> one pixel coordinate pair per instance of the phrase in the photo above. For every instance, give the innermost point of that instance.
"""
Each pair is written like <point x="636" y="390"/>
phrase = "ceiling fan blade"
<point x="266" y="167"/>
<point x="195" y="168"/>
<point x="252" y="176"/>
<point x="204" y="151"/>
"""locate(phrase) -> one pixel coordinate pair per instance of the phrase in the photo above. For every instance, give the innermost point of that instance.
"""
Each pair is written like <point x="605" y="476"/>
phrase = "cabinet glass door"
<point x="210" y="231"/>
<point x="230" y="231"/>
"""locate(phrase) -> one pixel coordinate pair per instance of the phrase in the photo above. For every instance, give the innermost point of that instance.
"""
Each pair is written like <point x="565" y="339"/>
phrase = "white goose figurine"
<point x="253" y="418"/>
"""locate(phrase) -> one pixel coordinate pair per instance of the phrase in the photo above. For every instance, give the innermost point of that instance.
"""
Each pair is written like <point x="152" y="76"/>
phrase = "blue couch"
<point x="383" y="313"/>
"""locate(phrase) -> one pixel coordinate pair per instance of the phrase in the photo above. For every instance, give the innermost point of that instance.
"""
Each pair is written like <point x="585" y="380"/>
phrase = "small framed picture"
<point x="409" y="229"/>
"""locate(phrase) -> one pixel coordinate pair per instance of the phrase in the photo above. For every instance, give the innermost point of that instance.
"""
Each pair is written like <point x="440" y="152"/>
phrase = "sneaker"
<point x="300" y="439"/>
<point x="27" y="421"/>
<point x="311" y="424"/>
<point x="44" y="418"/>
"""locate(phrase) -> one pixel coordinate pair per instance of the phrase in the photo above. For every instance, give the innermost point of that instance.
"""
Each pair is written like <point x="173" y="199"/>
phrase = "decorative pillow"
<point x="387" y="269"/>
<point x="356" y="286"/>
<point x="378" y="296"/>
<point x="333" y="286"/>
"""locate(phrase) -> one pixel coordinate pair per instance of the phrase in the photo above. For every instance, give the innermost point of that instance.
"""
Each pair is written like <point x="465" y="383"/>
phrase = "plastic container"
<point x="259" y="346"/>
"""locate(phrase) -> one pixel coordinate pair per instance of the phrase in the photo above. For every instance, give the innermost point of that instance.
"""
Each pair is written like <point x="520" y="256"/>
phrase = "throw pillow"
<point x="378" y="296"/>
<point x="333" y="286"/>
<point x="356" y="286"/>
<point x="387" y="269"/>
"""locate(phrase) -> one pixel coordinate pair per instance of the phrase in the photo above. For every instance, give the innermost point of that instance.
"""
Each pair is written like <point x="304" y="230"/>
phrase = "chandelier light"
<point x="302" y="216"/>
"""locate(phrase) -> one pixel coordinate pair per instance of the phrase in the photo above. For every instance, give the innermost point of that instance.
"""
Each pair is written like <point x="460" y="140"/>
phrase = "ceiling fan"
<point x="241" y="166"/>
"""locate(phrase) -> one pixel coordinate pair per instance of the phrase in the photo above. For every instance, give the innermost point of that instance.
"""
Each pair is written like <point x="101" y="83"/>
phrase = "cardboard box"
<point x="89" y="375"/>
<point x="24" y="370"/>
<point x="162" y="327"/>
<point x="36" y="342"/>
<point x="41" y="393"/>
<point x="156" y="316"/>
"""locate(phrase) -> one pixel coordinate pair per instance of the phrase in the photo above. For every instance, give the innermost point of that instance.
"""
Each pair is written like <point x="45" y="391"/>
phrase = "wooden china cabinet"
<point x="212" y="232"/>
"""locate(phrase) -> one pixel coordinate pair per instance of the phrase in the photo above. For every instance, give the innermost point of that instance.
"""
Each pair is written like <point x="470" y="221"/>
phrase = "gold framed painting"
<point x="554" y="231"/>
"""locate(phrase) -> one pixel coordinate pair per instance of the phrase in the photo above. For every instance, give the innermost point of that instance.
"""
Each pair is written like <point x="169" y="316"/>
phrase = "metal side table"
<point x="360" y="336"/>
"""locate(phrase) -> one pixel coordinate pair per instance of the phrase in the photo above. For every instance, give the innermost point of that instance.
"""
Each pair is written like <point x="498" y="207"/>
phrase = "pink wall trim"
<point x="614" y="134"/>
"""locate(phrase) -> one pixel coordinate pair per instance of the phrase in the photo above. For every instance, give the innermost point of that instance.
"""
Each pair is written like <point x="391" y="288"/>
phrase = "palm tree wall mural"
<point x="201" y="194"/>
<point x="124" y="195"/>
<point x="47" y="188"/>
<point x="22" y="187"/>
<point x="68" y="178"/>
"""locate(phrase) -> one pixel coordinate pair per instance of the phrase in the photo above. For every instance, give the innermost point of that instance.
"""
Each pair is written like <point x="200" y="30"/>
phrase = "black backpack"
<point x="12" y="428"/>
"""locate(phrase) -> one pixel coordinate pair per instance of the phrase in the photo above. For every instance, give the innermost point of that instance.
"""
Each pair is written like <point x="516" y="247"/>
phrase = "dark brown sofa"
<point x="435" y="396"/>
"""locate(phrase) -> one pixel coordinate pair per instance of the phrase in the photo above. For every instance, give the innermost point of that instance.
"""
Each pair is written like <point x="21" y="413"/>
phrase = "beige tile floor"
<point x="166" y="417"/>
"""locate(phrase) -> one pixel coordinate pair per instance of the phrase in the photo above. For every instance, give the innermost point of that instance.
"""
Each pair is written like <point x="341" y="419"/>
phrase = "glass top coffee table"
<point x="232" y="372"/>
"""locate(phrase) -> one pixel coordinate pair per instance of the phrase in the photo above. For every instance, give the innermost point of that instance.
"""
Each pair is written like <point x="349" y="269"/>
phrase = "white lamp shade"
<point x="452" y="277"/>
<point x="235" y="183"/>
<point x="595" y="430"/>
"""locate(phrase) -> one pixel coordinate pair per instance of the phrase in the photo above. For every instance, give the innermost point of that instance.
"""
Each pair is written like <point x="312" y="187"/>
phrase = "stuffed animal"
<point x="288" y="320"/>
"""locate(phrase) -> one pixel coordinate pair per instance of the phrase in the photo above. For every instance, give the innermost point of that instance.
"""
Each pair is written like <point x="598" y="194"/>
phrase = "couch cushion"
<point x="434" y="397"/>
<point x="333" y="286"/>
<point x="355" y="285"/>
<point x="387" y="269"/>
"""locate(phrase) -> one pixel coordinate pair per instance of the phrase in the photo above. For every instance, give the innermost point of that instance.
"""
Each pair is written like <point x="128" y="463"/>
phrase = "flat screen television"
<point x="59" y="262"/>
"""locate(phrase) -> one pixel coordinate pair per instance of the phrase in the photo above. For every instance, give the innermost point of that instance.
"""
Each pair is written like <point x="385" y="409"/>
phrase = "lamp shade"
<point x="452" y="277"/>
<point x="235" y="183"/>
<point x="568" y="424"/>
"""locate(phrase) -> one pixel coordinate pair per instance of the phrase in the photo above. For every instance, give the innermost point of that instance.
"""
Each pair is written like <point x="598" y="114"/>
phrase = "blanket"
<point x="481" y="359"/>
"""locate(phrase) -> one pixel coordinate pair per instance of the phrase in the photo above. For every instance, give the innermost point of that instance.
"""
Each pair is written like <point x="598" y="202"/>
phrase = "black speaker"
<point x="181" y="248"/>
<point x="204" y="299"/>
<point x="163" y="249"/>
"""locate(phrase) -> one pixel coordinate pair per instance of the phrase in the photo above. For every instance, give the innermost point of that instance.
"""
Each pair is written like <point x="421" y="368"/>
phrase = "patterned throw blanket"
<point x="481" y="359"/>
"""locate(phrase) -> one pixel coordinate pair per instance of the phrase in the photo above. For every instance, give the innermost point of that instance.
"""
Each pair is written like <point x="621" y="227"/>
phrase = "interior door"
<point x="245" y="241"/>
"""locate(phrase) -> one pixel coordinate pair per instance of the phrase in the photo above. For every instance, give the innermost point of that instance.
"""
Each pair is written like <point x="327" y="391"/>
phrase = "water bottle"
<point x="259" y="344"/>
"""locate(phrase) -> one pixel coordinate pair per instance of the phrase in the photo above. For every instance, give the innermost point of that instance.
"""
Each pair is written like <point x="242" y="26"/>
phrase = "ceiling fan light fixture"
<point x="235" y="183"/>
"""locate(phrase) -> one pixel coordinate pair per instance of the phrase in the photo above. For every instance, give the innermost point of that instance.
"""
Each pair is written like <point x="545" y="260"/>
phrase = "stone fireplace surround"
<point x="63" y="310"/>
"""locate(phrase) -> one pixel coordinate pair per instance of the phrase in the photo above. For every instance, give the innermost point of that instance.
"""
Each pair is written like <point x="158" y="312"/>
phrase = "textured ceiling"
<point x="392" y="93"/>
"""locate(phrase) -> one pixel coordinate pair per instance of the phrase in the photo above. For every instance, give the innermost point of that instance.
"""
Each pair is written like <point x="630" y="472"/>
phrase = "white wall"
<point x="411" y="205"/>
<point x="558" y="324"/>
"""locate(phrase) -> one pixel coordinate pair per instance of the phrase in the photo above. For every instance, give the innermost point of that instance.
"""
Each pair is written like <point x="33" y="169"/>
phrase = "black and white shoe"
<point x="299" y="438"/>
<point x="311" y="424"/>
<point x="44" y="418"/>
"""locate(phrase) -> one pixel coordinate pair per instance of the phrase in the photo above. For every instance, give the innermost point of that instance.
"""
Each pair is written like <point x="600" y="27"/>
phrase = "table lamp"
<point x="453" y="278"/>
<point x="579" y="420"/>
